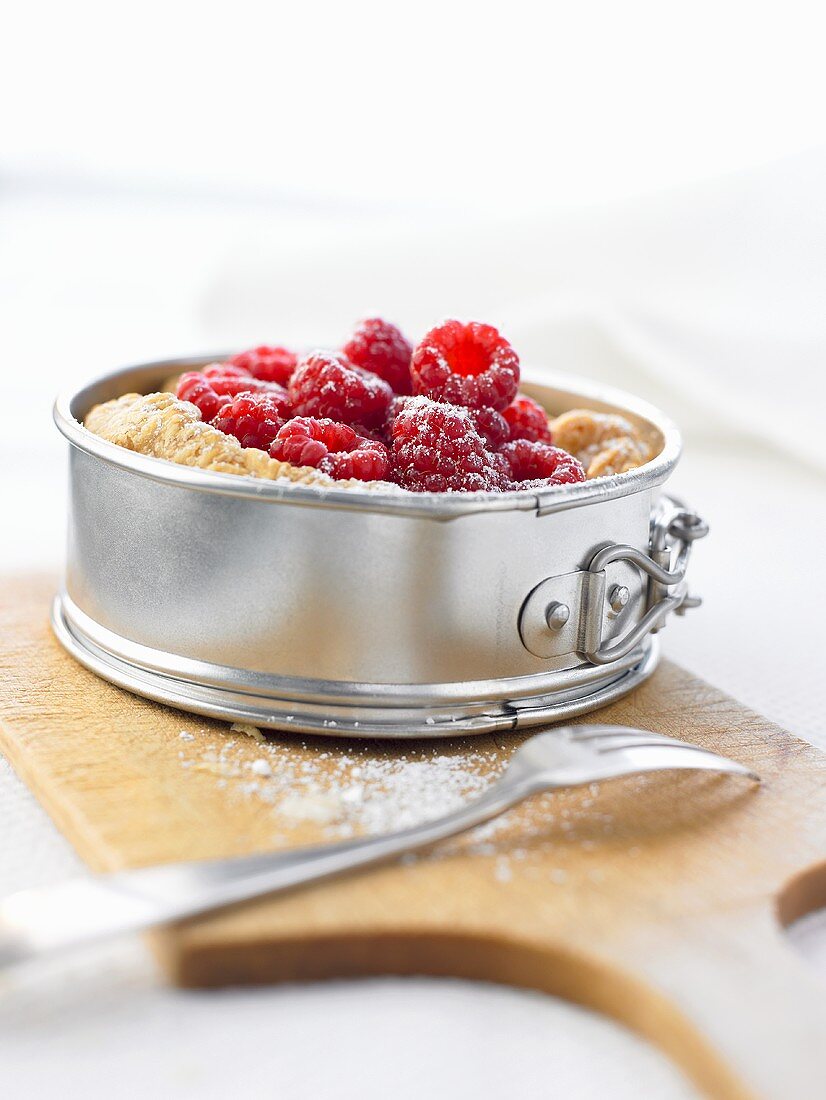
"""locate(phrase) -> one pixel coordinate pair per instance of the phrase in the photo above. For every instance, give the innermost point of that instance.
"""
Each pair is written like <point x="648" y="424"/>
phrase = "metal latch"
<point x="569" y="613"/>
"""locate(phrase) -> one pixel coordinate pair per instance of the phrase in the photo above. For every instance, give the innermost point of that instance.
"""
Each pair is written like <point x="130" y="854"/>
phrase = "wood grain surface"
<point x="658" y="901"/>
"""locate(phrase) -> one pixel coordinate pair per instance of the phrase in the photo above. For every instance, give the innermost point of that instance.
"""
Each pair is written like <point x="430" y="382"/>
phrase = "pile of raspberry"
<point x="443" y="417"/>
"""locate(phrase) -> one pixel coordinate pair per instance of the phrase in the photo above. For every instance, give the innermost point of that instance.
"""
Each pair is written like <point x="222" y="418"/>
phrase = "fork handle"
<point x="81" y="910"/>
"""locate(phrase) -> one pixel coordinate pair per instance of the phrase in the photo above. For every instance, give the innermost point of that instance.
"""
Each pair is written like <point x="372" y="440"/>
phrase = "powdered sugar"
<point x="360" y="793"/>
<point x="339" y="790"/>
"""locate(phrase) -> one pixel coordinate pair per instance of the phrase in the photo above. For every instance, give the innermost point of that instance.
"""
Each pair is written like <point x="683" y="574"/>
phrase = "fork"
<point x="82" y="910"/>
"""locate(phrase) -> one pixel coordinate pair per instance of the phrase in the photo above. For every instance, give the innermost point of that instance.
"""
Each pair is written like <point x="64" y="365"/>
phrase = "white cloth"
<point x="708" y="301"/>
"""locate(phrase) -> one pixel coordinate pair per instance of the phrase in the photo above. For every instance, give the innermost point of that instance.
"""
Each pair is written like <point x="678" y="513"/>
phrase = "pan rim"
<point x="71" y="405"/>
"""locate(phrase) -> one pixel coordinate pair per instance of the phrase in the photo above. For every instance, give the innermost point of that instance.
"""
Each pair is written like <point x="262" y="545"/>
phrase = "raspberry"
<point x="327" y="385"/>
<point x="393" y="410"/>
<point x="376" y="434"/>
<point x="378" y="346"/>
<point x="437" y="449"/>
<point x="533" y="464"/>
<point x="228" y="380"/>
<point x="208" y="389"/>
<point x="253" y="418"/>
<point x="335" y="449"/>
<point x="194" y="387"/>
<point x="225" y="374"/>
<point x="466" y="365"/>
<point x="527" y="419"/>
<point x="268" y="364"/>
<point x="492" y="426"/>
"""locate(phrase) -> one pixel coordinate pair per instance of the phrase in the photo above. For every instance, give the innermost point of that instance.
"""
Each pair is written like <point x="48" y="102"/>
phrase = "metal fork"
<point x="35" y="922"/>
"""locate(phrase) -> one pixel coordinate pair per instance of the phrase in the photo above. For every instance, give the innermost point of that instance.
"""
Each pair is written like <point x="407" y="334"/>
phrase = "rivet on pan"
<point x="557" y="615"/>
<point x="618" y="597"/>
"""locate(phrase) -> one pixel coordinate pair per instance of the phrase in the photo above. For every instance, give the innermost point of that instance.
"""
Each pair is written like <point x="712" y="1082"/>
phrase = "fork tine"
<point x="680" y="755"/>
<point x="612" y="745"/>
<point x="601" y="733"/>
<point x="609" y="739"/>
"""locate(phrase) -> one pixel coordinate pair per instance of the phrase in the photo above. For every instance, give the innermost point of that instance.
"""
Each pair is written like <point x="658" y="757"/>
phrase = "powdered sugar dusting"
<point x="338" y="790"/>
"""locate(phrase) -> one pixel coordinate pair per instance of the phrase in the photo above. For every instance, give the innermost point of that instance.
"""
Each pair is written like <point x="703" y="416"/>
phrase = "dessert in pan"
<point x="444" y="417"/>
<point x="377" y="539"/>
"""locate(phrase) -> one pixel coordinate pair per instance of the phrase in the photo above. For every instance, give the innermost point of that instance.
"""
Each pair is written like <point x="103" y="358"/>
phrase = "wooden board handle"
<point x="728" y="999"/>
<point x="759" y="1012"/>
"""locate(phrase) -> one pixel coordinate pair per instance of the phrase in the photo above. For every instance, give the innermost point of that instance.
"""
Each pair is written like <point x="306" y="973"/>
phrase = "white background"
<point x="632" y="191"/>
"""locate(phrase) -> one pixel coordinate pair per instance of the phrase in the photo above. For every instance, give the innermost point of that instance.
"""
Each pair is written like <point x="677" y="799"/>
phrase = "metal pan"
<point x="368" y="614"/>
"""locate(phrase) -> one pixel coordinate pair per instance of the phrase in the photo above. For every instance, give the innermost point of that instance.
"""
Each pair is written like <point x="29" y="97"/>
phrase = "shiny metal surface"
<point x="364" y="710"/>
<point x="37" y="922"/>
<point x="619" y="597"/>
<point x="557" y="615"/>
<point x="665" y="566"/>
<point x="309" y="608"/>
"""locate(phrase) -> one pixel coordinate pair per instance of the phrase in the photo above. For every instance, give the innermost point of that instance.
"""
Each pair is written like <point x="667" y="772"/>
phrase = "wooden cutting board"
<point x="658" y="901"/>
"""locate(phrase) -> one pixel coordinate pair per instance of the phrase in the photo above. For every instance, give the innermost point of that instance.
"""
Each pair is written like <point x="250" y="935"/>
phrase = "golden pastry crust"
<point x="160" y="425"/>
<point x="603" y="442"/>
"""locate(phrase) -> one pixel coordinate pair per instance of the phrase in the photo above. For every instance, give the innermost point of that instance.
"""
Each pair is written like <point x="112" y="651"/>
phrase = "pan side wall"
<point x="323" y="593"/>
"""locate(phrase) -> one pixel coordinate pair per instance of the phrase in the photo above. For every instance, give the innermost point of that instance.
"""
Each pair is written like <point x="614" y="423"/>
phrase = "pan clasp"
<point x="594" y="601"/>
